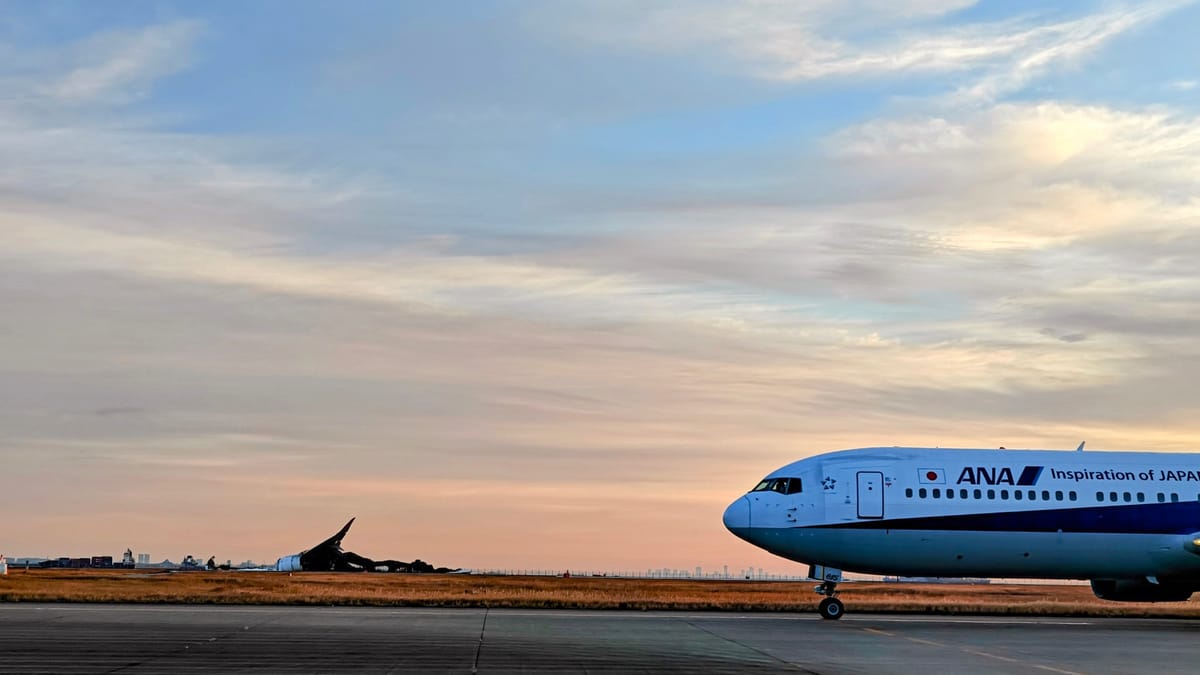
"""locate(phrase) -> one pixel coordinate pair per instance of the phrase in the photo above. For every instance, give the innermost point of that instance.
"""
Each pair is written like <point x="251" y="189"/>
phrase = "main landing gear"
<point x="830" y="608"/>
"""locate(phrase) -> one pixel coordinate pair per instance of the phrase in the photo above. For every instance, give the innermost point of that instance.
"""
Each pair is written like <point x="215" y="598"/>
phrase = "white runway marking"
<point x="1023" y="621"/>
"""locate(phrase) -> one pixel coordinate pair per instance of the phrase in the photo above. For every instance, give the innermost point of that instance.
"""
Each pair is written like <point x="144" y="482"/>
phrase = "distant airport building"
<point x="96" y="561"/>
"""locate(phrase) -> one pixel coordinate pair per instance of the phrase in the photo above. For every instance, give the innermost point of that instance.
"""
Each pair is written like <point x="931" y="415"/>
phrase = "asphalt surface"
<point x="180" y="638"/>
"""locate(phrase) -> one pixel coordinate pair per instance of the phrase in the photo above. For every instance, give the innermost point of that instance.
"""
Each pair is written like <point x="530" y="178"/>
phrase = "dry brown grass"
<point x="551" y="592"/>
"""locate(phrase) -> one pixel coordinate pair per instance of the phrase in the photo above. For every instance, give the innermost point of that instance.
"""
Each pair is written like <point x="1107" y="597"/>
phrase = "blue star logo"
<point x="829" y="483"/>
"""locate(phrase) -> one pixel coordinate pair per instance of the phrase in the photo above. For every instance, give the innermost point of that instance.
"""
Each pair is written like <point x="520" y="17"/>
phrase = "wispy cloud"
<point x="792" y="42"/>
<point x="1060" y="45"/>
<point x="119" y="66"/>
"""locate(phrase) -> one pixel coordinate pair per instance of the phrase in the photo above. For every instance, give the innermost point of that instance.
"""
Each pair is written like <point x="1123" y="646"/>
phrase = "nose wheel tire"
<point x="831" y="609"/>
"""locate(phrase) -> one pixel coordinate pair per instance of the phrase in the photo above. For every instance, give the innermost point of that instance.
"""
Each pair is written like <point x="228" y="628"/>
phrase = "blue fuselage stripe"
<point x="1030" y="475"/>
<point x="1168" y="518"/>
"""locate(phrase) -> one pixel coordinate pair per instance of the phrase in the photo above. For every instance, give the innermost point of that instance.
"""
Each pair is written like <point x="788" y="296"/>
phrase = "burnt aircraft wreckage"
<point x="328" y="556"/>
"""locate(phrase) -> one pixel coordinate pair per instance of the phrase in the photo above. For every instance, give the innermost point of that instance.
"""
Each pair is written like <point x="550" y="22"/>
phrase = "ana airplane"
<point x="1127" y="521"/>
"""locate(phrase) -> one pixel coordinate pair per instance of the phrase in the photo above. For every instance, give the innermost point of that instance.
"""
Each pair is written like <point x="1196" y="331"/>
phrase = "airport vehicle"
<point x="1127" y="521"/>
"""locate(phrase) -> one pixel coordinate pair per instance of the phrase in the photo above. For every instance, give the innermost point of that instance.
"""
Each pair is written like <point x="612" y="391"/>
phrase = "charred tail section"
<point x="328" y="556"/>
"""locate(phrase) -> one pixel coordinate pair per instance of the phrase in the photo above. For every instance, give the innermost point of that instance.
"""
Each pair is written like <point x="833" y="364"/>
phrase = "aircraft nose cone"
<point x="737" y="515"/>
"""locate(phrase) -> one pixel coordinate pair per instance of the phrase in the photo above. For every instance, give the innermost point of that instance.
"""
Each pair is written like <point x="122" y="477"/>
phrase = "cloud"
<point x="977" y="231"/>
<point x="118" y="410"/>
<point x="1048" y="146"/>
<point x="1058" y="45"/>
<point x="200" y="320"/>
<point x="796" y="42"/>
<point x="1065" y="337"/>
<point x="118" y="66"/>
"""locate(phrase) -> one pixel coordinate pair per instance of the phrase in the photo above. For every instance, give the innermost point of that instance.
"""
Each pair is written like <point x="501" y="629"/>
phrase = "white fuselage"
<point x="994" y="513"/>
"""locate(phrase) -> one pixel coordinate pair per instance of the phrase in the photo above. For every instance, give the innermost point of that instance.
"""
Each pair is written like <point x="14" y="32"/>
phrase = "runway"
<point x="66" y="638"/>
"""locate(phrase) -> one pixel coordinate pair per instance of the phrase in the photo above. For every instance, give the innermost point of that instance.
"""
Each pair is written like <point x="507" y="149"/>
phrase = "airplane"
<point x="324" y="557"/>
<point x="328" y="556"/>
<point x="1129" y="522"/>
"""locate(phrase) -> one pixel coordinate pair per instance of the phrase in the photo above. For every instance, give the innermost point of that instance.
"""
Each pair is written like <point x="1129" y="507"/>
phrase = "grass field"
<point x="129" y="586"/>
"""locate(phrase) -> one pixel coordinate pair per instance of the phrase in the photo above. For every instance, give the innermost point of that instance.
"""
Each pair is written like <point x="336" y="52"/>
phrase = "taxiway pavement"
<point x="66" y="638"/>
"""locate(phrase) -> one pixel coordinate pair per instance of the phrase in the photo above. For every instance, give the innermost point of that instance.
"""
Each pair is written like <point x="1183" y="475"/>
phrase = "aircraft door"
<point x="870" y="494"/>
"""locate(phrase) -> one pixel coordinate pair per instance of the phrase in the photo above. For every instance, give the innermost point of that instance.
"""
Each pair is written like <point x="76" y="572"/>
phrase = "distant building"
<point x="96" y="562"/>
<point x="143" y="558"/>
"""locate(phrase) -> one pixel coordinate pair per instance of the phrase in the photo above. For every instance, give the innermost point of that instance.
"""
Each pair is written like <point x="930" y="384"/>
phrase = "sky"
<point x="548" y="283"/>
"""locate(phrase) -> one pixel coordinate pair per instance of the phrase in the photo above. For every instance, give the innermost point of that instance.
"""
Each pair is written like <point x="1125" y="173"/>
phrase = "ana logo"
<point x="990" y="475"/>
<point x="928" y="476"/>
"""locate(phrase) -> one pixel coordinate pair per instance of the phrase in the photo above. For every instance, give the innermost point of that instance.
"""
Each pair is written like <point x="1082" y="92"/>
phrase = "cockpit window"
<point x="784" y="486"/>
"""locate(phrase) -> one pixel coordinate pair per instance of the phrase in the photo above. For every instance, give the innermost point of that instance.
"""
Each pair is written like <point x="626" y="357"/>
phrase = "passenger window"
<point x="1100" y="497"/>
<point x="1141" y="497"/>
<point x="1161" y="498"/>
<point x="1004" y="494"/>
<point x="1058" y="495"/>
<point x="937" y="493"/>
<point x="991" y="494"/>
<point x="949" y="493"/>
<point x="1046" y="495"/>
<point x="908" y="492"/>
<point x="1071" y="495"/>
<point x="1174" y="497"/>
<point x="962" y="494"/>
<point x="923" y="493"/>
<point x="1128" y="497"/>
<point x="1017" y="494"/>
<point x="978" y="493"/>
<point x="1033" y="495"/>
<point x="1112" y="496"/>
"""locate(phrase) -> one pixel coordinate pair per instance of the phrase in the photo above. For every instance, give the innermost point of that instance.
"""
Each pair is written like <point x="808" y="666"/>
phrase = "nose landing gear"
<point x="830" y="608"/>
